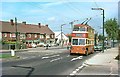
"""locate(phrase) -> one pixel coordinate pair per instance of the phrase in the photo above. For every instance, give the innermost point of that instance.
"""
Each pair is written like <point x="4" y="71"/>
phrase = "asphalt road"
<point x="45" y="64"/>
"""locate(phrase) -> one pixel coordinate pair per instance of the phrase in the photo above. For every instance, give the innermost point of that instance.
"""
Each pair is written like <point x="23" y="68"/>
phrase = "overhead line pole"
<point x="103" y="23"/>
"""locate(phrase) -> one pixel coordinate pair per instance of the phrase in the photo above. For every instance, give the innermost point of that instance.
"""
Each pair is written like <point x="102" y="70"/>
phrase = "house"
<point x="58" y="38"/>
<point x="26" y="33"/>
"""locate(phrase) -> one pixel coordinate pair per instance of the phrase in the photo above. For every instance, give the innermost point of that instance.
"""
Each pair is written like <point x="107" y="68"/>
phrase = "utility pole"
<point x="103" y="29"/>
<point x="16" y="31"/>
<point x="62" y="35"/>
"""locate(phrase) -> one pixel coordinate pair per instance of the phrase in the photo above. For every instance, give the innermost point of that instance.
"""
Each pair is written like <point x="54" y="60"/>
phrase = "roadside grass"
<point x="5" y="56"/>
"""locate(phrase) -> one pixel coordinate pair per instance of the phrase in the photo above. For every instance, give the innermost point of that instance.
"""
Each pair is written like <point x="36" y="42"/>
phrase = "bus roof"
<point x="81" y="25"/>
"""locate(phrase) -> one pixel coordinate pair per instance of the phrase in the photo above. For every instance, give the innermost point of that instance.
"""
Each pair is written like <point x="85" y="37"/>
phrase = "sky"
<point x="55" y="13"/>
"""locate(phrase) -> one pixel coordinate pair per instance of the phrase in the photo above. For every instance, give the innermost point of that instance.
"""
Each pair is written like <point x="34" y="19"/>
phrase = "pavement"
<point x="102" y="63"/>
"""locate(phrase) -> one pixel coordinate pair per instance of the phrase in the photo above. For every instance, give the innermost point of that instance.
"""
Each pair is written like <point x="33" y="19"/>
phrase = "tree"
<point x="100" y="37"/>
<point x="111" y="27"/>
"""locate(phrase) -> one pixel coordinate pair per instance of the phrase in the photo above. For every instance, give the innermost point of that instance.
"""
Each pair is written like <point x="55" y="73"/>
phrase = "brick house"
<point x="27" y="33"/>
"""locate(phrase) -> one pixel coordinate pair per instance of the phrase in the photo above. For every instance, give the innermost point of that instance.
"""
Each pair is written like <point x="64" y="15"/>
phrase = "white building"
<point x="58" y="38"/>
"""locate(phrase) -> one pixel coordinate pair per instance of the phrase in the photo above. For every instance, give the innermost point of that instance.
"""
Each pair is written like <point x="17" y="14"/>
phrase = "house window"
<point x="22" y="36"/>
<point x="47" y="36"/>
<point x="35" y="35"/>
<point x="41" y="36"/>
<point x="5" y="34"/>
<point x="13" y="35"/>
<point x="51" y="36"/>
<point x="10" y="34"/>
<point x="29" y="35"/>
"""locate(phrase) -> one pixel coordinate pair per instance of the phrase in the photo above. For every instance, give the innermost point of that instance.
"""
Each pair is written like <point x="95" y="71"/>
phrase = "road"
<point x="58" y="62"/>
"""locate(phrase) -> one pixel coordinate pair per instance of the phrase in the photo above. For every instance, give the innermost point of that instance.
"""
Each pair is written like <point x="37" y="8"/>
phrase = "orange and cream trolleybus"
<point x="82" y="39"/>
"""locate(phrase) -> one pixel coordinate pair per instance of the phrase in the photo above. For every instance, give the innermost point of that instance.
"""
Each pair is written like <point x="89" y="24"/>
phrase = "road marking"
<point x="80" y="57"/>
<point x="50" y="56"/>
<point x="72" y="74"/>
<point x="68" y="55"/>
<point x="33" y="56"/>
<point x="56" y="59"/>
<point x="45" y="57"/>
<point x="79" y="68"/>
<point x="25" y="57"/>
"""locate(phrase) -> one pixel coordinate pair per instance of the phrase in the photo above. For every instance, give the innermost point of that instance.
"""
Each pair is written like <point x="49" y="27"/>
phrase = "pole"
<point x="16" y="29"/>
<point x="71" y="26"/>
<point x="61" y="36"/>
<point x="103" y="30"/>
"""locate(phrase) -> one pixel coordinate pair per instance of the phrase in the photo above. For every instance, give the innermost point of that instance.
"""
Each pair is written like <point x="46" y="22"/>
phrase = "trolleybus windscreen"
<point x="81" y="41"/>
<point x="75" y="42"/>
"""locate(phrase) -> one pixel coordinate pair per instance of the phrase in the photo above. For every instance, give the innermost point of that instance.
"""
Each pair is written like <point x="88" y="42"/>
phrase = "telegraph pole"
<point x="103" y="29"/>
<point x="16" y="29"/>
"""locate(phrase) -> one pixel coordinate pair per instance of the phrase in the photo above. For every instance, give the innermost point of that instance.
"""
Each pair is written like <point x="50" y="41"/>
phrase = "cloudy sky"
<point x="55" y="13"/>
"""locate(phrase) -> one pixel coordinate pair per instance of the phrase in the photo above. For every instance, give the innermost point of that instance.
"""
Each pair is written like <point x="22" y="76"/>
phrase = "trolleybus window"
<point x="75" y="42"/>
<point x="81" y="29"/>
<point x="81" y="41"/>
<point x="76" y="29"/>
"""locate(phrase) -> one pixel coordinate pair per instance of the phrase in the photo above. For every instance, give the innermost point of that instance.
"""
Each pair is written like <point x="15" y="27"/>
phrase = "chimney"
<point x="39" y="24"/>
<point x="11" y="21"/>
<point x="24" y="22"/>
<point x="46" y="25"/>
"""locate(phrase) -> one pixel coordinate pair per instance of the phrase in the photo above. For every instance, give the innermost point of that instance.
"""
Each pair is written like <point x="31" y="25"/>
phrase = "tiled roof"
<point x="25" y="28"/>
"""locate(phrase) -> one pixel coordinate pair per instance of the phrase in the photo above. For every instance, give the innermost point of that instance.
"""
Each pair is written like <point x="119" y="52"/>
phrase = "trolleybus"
<point x="82" y="39"/>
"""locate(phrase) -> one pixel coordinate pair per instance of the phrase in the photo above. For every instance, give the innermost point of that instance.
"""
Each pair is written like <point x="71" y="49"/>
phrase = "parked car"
<point x="98" y="47"/>
<point x="40" y="44"/>
<point x="46" y="45"/>
<point x="33" y="45"/>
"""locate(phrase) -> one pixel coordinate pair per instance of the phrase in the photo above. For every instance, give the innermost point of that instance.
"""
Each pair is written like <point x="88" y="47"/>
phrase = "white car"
<point x="46" y="45"/>
<point x="33" y="45"/>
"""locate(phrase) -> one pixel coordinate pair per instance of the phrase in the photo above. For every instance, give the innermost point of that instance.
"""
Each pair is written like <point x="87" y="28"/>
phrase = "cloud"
<point x="35" y="11"/>
<point x="51" y="19"/>
<point x="54" y="3"/>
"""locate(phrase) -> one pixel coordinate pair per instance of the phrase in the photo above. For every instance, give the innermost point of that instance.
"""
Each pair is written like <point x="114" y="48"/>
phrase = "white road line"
<point x="56" y="59"/>
<point x="79" y="68"/>
<point x="72" y="74"/>
<point x="25" y="57"/>
<point x="80" y="57"/>
<point x="68" y="55"/>
<point x="46" y="57"/>
<point x="33" y="56"/>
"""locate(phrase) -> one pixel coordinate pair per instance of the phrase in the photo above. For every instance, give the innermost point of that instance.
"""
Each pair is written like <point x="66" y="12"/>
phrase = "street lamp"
<point x="103" y="23"/>
<point x="61" y="35"/>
